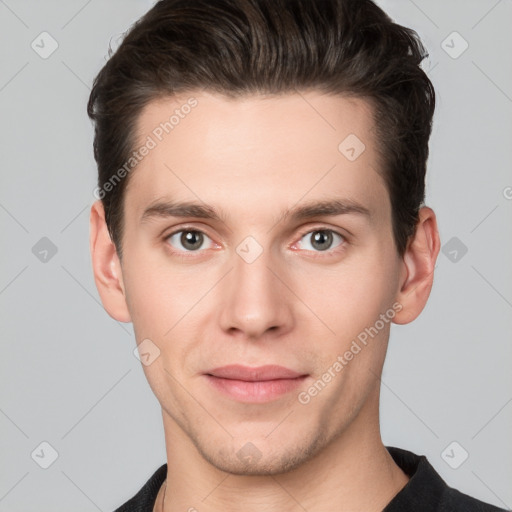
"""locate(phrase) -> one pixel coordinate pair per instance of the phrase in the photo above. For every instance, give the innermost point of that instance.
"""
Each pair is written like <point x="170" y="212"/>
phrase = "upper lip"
<point x="254" y="374"/>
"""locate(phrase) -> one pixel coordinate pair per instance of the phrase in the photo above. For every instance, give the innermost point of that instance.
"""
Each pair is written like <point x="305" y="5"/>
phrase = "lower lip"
<point x="255" y="392"/>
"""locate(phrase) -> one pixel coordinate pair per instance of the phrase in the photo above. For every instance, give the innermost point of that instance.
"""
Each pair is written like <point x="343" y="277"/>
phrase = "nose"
<point x="255" y="302"/>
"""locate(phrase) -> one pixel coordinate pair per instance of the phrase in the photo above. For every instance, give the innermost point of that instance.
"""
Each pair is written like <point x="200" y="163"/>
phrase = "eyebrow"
<point x="333" y="207"/>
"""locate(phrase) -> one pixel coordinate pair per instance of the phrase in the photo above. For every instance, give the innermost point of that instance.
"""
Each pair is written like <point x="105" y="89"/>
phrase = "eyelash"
<point x="189" y="254"/>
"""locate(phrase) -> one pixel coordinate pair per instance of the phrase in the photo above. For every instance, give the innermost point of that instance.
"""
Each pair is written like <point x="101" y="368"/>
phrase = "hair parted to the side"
<point x="243" y="47"/>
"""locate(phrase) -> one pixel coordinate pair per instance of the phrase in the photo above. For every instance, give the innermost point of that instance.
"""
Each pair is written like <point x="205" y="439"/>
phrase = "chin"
<point x="261" y="458"/>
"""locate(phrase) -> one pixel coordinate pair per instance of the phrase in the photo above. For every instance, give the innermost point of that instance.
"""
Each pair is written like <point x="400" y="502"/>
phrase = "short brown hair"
<point x="243" y="47"/>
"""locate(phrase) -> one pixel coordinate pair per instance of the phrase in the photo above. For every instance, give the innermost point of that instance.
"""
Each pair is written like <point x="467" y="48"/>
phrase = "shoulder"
<point x="456" y="501"/>
<point x="144" y="500"/>
<point x="427" y="491"/>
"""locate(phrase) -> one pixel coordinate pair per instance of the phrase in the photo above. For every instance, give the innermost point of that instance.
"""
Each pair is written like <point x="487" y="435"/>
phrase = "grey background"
<point x="68" y="373"/>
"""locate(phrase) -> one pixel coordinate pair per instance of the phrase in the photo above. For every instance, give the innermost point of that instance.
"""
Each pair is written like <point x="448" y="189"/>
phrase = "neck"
<point x="354" y="472"/>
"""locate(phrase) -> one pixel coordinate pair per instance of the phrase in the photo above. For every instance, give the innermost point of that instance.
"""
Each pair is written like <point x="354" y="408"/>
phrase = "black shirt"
<point x="425" y="491"/>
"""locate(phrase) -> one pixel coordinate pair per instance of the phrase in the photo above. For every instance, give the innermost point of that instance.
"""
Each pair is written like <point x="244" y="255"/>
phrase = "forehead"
<point x="320" y="119"/>
<point x="257" y="151"/>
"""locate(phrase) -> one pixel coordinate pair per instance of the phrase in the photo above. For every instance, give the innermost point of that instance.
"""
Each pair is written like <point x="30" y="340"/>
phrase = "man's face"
<point x="257" y="287"/>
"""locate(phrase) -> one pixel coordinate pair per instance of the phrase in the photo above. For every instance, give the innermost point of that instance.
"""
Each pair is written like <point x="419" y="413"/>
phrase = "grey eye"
<point x="321" y="239"/>
<point x="190" y="240"/>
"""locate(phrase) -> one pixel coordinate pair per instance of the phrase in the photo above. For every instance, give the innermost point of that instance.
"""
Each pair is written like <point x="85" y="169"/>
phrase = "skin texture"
<point x="295" y="305"/>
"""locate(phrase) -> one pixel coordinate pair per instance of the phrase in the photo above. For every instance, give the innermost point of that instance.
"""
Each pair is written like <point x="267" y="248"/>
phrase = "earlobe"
<point x="418" y="267"/>
<point x="106" y="266"/>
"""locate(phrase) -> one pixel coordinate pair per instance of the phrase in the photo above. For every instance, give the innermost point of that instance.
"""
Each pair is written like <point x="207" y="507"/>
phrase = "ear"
<point x="106" y="266"/>
<point x="418" y="267"/>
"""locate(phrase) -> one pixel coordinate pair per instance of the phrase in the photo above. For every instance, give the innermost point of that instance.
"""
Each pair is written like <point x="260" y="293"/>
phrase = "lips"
<point x="254" y="384"/>
<point x="248" y="374"/>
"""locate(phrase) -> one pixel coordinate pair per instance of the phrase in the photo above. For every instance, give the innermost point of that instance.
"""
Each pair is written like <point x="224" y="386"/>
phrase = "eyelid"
<point x="323" y="227"/>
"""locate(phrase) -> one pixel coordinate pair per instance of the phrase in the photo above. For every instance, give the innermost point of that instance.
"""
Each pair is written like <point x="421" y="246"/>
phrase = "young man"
<point x="261" y="222"/>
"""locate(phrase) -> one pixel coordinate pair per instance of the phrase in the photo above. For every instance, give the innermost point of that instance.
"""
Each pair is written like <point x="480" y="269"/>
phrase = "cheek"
<point x="352" y="307"/>
<point x="168" y="302"/>
<point x="351" y="297"/>
<point x="153" y="294"/>
<point x="158" y="299"/>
